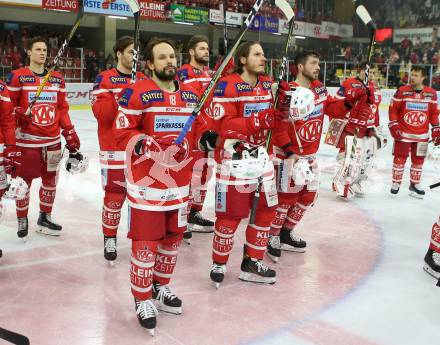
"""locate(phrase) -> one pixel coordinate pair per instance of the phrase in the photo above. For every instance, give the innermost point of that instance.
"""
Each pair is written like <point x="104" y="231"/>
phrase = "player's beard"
<point x="310" y="76"/>
<point x="164" y="75"/>
<point x="201" y="60"/>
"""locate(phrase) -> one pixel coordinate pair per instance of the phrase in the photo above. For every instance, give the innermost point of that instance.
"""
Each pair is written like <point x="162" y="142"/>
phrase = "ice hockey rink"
<point x="360" y="282"/>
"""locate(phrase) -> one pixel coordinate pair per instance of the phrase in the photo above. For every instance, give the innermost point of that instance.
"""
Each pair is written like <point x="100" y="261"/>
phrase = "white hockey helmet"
<point x="17" y="189"/>
<point x="251" y="165"/>
<point x="302" y="103"/>
<point x="77" y="163"/>
<point x="302" y="173"/>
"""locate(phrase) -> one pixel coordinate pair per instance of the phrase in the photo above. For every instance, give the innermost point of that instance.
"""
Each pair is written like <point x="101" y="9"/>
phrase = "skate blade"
<point x="416" y="196"/>
<point x="187" y="241"/>
<point x="200" y="229"/>
<point x="111" y="263"/>
<point x="275" y="259"/>
<point x="151" y="331"/>
<point x="253" y="278"/>
<point x="48" y="232"/>
<point x="217" y="286"/>
<point x="24" y="239"/>
<point x="170" y="310"/>
<point x="431" y="272"/>
<point x="292" y="249"/>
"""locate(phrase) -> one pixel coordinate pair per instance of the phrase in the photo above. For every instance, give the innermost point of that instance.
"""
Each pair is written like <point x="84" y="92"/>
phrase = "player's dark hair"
<point x="154" y="41"/>
<point x="120" y="45"/>
<point x="302" y="57"/>
<point x="196" y="39"/>
<point x="243" y="50"/>
<point x="37" y="39"/>
<point x="419" y="69"/>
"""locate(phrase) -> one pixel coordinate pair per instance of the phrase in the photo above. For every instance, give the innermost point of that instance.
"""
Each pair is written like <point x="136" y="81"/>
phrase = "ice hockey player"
<point x="197" y="74"/>
<point x="151" y="115"/>
<point x="412" y="109"/>
<point x="38" y="134"/>
<point x="242" y="102"/>
<point x="356" y="135"/>
<point x="432" y="257"/>
<point x="296" y="144"/>
<point x="107" y="89"/>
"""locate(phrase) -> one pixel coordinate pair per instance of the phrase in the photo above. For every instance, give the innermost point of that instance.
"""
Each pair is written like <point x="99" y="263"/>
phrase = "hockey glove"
<point x="211" y="140"/>
<point x="72" y="140"/>
<point x="435" y="134"/>
<point x="284" y="98"/>
<point x="12" y="159"/>
<point x="355" y="94"/>
<point x="395" y="131"/>
<point x="265" y="119"/>
<point x="21" y="118"/>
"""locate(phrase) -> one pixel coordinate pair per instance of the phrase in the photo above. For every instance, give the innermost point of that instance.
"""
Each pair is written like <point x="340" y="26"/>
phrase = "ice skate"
<point x="432" y="263"/>
<point x="395" y="188"/>
<point x="110" y="250"/>
<point x="197" y="223"/>
<point x="46" y="226"/>
<point x="146" y="313"/>
<point x="292" y="243"/>
<point x="187" y="235"/>
<point x="256" y="271"/>
<point x="416" y="191"/>
<point x="23" y="228"/>
<point x="274" y="248"/>
<point x="217" y="274"/>
<point x="165" y="300"/>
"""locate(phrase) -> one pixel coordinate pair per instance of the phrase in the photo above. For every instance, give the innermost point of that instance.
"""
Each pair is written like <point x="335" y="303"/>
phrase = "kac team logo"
<point x="43" y="114"/>
<point x="415" y="118"/>
<point x="311" y="130"/>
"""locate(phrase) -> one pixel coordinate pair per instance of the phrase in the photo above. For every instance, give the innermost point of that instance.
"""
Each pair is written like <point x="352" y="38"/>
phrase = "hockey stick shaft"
<point x="134" y="6"/>
<point x="225" y="28"/>
<point x="281" y="74"/>
<point x="435" y="185"/>
<point x="219" y="71"/>
<point x="60" y="53"/>
<point x="363" y="14"/>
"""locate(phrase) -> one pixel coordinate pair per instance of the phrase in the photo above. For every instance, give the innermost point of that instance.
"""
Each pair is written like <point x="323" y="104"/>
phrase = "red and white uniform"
<point x="234" y="104"/>
<point x="106" y="91"/>
<point x="199" y="80"/>
<point x="414" y="111"/>
<point x="295" y="200"/>
<point x="435" y="237"/>
<point x="157" y="193"/>
<point x="7" y="131"/>
<point x="362" y="115"/>
<point x="40" y="141"/>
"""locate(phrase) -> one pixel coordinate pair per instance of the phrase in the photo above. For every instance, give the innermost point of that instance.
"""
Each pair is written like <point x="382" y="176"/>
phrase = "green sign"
<point x="196" y="15"/>
<point x="177" y="12"/>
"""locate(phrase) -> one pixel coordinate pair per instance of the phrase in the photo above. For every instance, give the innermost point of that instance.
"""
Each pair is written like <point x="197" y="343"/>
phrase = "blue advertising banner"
<point x="109" y="7"/>
<point x="267" y="24"/>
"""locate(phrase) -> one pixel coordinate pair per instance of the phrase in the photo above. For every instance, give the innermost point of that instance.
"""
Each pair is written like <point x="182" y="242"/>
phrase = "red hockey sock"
<point x="47" y="198"/>
<point x="166" y="258"/>
<point x="223" y="239"/>
<point x="435" y="237"/>
<point x="143" y="255"/>
<point x="280" y="218"/>
<point x="294" y="216"/>
<point x="111" y="213"/>
<point x="22" y="206"/>
<point x="415" y="173"/>
<point x="398" y="169"/>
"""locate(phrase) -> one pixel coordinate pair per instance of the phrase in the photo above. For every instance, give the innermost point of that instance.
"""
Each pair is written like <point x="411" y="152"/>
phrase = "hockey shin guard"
<point x="143" y="255"/>
<point x="279" y="220"/>
<point x="223" y="239"/>
<point x="435" y="237"/>
<point x="166" y="258"/>
<point x="111" y="213"/>
<point x="398" y="169"/>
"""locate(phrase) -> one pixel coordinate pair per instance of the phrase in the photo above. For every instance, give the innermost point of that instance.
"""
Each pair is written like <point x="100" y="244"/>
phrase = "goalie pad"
<point x="77" y="163"/>
<point x="355" y="167"/>
<point x="17" y="189"/>
<point x="334" y="132"/>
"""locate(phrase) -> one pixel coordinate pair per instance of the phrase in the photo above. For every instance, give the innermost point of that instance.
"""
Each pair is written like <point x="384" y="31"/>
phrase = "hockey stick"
<point x="284" y="6"/>
<point x="13" y="338"/>
<point x="225" y="28"/>
<point x="281" y="75"/>
<point x="134" y="6"/>
<point x="363" y="14"/>
<point x="56" y="60"/>
<point x="435" y="185"/>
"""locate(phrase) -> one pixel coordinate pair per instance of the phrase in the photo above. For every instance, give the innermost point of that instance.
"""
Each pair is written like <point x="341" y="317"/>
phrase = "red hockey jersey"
<point x="146" y="110"/>
<point x="356" y="120"/>
<point x="309" y="130"/>
<point x="414" y="111"/>
<point x="196" y="78"/>
<point x="49" y="114"/>
<point x="233" y="104"/>
<point x="106" y="91"/>
<point x="7" y="121"/>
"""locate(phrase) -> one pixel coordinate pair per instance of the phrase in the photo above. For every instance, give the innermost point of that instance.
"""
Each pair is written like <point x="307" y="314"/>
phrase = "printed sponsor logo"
<point x="267" y="85"/>
<point x="243" y="87"/>
<point x="428" y="95"/>
<point x="55" y="80"/>
<point x="251" y="108"/>
<point x="45" y="97"/>
<point x="311" y="131"/>
<point x="125" y="97"/>
<point x="118" y="80"/>
<point x="417" y="106"/>
<point x="407" y="93"/>
<point x="182" y="74"/>
<point x="144" y="255"/>
<point x="166" y="123"/>
<point x="320" y="89"/>
<point x="152" y="96"/>
<point x="415" y="118"/>
<point x="356" y="85"/>
<point x="317" y="111"/>
<point x="26" y="79"/>
<point x="220" y="89"/>
<point x="188" y="96"/>
<point x="43" y="114"/>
